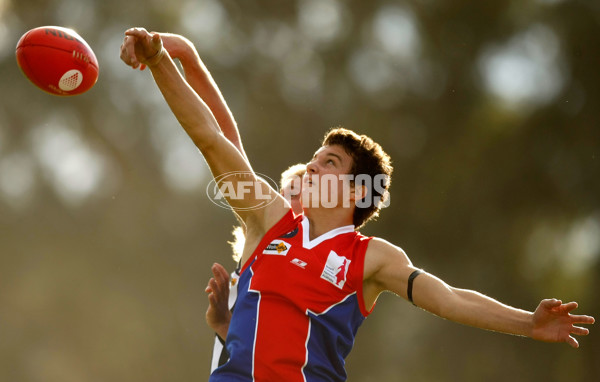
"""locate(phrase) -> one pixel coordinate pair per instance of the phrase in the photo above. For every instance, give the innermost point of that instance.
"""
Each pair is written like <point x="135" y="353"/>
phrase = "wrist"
<point x="155" y="60"/>
<point x="529" y="325"/>
<point x="221" y="329"/>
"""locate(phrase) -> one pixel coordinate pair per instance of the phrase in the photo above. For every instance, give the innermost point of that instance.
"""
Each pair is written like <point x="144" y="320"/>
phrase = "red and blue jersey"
<point x="299" y="306"/>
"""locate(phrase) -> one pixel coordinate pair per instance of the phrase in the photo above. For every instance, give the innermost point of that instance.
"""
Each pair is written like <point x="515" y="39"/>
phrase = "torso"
<point x="300" y="304"/>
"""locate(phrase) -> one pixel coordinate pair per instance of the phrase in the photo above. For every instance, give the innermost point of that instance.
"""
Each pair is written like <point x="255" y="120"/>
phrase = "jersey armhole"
<point x="285" y="223"/>
<point x="364" y="243"/>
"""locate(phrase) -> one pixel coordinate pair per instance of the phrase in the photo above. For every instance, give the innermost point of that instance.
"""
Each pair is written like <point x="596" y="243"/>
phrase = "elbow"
<point x="205" y="141"/>
<point x="201" y="132"/>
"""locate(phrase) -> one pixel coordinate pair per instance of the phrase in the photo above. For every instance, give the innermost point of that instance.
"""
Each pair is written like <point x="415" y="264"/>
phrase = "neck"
<point x="324" y="220"/>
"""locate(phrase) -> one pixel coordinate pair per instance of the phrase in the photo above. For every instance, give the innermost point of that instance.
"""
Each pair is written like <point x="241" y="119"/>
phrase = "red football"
<point x="57" y="60"/>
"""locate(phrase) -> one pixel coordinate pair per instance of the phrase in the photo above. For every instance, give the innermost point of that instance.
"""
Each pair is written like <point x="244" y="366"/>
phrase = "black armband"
<point x="409" y="288"/>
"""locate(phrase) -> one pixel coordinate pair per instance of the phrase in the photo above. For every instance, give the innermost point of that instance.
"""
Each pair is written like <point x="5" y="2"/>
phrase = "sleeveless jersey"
<point x="299" y="306"/>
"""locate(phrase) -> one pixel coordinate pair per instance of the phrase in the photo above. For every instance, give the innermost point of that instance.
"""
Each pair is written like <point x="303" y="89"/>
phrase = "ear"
<point x="358" y="192"/>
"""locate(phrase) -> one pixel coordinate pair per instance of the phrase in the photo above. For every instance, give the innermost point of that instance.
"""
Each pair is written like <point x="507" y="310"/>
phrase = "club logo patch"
<point x="336" y="269"/>
<point x="277" y="247"/>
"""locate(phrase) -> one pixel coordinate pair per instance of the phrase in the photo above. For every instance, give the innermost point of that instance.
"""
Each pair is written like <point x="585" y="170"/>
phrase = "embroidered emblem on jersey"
<point x="300" y="263"/>
<point x="336" y="269"/>
<point x="277" y="247"/>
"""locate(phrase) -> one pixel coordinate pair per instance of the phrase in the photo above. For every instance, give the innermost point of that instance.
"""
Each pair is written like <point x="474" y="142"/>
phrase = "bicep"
<point x="431" y="293"/>
<point x="235" y="181"/>
<point x="392" y="270"/>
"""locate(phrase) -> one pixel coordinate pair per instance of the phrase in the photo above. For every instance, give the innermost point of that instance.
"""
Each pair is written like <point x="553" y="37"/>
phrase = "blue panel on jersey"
<point x="240" y="337"/>
<point x="327" y="345"/>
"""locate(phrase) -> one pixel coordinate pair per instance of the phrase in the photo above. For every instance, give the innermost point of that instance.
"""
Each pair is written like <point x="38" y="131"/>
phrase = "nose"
<point x="311" y="167"/>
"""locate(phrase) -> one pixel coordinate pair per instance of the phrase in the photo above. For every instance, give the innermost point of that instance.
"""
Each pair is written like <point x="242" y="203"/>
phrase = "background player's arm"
<point x="200" y="124"/>
<point x="387" y="268"/>
<point x="200" y="79"/>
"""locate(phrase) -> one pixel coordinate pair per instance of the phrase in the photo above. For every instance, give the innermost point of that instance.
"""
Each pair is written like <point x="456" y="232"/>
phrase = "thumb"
<point x="157" y="41"/>
<point x="551" y="303"/>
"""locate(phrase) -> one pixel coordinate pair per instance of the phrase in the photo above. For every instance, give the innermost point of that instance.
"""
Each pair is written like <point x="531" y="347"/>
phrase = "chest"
<point x="311" y="278"/>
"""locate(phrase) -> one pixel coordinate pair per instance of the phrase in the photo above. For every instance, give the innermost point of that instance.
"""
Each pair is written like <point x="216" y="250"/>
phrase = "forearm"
<point x="470" y="307"/>
<point x="190" y="110"/>
<point x="475" y="309"/>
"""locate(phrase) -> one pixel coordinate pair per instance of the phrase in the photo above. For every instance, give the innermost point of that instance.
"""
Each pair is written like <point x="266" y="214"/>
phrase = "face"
<point x="327" y="178"/>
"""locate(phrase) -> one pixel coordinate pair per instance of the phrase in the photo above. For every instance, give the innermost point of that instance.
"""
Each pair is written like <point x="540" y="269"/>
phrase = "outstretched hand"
<point x="141" y="47"/>
<point x="553" y="322"/>
<point x="218" y="314"/>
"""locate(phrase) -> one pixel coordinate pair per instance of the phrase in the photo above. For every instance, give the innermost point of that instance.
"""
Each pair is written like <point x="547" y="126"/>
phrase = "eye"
<point x="330" y="161"/>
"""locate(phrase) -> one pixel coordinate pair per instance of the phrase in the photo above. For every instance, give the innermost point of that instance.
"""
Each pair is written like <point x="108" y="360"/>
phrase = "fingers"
<point x="209" y="287"/>
<point x="580" y="331"/>
<point x="213" y="300"/>
<point x="124" y="51"/>
<point x="215" y="287"/>
<point x="128" y="52"/>
<point x="569" y="306"/>
<point x="576" y="319"/>
<point x="550" y="303"/>
<point x="220" y="272"/>
<point x="572" y="342"/>
<point x="558" y="306"/>
<point x="137" y="32"/>
<point x="145" y="41"/>
<point x="218" y="286"/>
<point x="221" y="277"/>
<point x="582" y="319"/>
<point x="132" y="36"/>
<point x="130" y="47"/>
<point x="588" y="319"/>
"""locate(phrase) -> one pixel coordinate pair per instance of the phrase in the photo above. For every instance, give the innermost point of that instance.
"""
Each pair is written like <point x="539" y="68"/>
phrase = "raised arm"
<point x="200" y="79"/>
<point x="388" y="268"/>
<point x="223" y="158"/>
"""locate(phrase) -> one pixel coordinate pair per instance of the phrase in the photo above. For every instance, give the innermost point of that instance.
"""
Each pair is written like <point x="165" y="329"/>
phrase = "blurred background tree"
<point x="488" y="109"/>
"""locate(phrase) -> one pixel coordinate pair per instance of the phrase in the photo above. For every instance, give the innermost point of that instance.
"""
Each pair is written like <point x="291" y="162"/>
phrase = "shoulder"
<point x="381" y="249"/>
<point x="382" y="254"/>
<point x="387" y="268"/>
<point x="259" y="233"/>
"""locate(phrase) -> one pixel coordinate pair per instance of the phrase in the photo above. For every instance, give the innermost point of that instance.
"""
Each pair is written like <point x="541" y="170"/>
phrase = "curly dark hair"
<point x="368" y="159"/>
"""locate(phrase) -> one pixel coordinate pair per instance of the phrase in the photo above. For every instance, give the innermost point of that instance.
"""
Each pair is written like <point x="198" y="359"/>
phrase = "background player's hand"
<point x="218" y="314"/>
<point x="139" y="46"/>
<point x="553" y="322"/>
